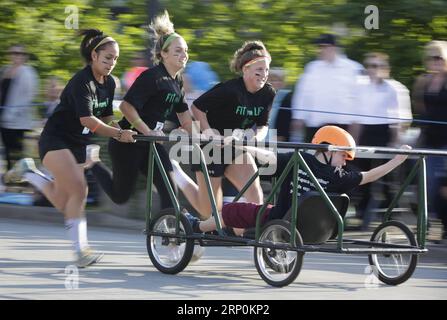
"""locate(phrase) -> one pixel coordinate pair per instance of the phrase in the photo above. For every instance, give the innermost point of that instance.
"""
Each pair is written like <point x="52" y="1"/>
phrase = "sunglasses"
<point x="375" y="66"/>
<point x="16" y="53"/>
<point x="435" y="58"/>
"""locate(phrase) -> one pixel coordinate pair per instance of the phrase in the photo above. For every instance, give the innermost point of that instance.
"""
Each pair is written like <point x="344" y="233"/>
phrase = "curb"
<point x="49" y="214"/>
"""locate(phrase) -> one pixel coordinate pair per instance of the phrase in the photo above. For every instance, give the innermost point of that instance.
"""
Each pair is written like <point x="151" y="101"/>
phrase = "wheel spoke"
<point x="394" y="268"/>
<point x="277" y="267"/>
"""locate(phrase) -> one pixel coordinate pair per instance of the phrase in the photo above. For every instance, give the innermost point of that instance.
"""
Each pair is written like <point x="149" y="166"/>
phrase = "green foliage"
<point x="41" y="27"/>
<point x="214" y="29"/>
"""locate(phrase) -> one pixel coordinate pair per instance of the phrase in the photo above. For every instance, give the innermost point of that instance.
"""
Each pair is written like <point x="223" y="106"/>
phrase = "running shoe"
<point x="87" y="257"/>
<point x="22" y="166"/>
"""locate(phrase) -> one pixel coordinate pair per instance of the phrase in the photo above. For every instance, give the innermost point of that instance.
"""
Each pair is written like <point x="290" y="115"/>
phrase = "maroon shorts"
<point x="243" y="215"/>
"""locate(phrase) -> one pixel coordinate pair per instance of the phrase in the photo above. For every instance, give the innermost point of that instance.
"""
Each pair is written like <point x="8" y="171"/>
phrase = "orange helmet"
<point x="335" y="136"/>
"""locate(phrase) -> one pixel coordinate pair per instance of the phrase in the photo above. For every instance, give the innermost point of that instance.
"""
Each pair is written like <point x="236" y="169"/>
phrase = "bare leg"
<point x="239" y="174"/>
<point x="204" y="204"/>
<point x="68" y="191"/>
<point x="189" y="188"/>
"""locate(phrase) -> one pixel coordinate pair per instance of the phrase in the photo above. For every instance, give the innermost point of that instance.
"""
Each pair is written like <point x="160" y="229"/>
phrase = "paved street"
<point x="34" y="256"/>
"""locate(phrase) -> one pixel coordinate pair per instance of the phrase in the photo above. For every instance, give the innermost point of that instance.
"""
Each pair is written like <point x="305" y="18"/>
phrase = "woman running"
<point x="155" y="94"/>
<point x="240" y="103"/>
<point x="85" y="108"/>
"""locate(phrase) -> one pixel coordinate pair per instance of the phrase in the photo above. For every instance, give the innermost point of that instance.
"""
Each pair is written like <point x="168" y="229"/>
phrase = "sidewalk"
<point x="49" y="214"/>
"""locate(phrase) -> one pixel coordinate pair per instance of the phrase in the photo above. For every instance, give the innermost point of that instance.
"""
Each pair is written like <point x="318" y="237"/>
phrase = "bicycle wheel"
<point x="278" y="267"/>
<point x="170" y="255"/>
<point x="396" y="268"/>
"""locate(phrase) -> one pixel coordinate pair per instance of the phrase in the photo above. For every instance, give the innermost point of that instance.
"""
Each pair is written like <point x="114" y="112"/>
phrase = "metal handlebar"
<point x="292" y="145"/>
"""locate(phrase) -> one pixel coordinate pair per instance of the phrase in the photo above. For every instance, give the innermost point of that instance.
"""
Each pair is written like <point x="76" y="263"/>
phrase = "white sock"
<point x="77" y="233"/>
<point x="83" y="241"/>
<point x="37" y="180"/>
<point x="180" y="176"/>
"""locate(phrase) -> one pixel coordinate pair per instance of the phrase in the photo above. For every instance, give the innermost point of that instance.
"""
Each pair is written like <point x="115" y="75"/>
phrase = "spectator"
<point x="18" y="88"/>
<point x="430" y="100"/>
<point x="277" y="77"/>
<point x="283" y="119"/>
<point x="198" y="78"/>
<point x="377" y="97"/>
<point x="53" y="90"/>
<point x="327" y="85"/>
<point x="138" y="66"/>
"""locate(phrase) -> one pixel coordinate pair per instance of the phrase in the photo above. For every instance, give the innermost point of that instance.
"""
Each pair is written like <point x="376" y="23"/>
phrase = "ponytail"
<point x="164" y="32"/>
<point x="94" y="39"/>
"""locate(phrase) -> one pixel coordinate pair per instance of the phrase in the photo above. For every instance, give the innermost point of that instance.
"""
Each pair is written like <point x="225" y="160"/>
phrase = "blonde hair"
<point x="250" y="50"/>
<point x="440" y="47"/>
<point x="162" y="28"/>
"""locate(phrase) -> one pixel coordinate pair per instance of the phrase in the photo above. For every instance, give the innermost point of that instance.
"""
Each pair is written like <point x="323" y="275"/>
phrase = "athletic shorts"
<point x="224" y="159"/>
<point x="243" y="214"/>
<point x="51" y="142"/>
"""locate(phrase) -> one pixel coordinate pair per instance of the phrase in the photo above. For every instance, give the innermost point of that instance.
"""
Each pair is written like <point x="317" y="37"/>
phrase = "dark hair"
<point x="249" y="51"/>
<point x="91" y="38"/>
<point x="326" y="38"/>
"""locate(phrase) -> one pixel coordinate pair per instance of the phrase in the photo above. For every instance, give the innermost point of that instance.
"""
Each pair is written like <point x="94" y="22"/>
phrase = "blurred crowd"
<point x="360" y="97"/>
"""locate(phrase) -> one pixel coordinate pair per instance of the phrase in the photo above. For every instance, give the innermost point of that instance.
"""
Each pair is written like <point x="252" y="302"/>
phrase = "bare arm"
<point x="201" y="117"/>
<point x="131" y="114"/>
<point x="110" y="121"/>
<point x="95" y="125"/>
<point x="380" y="171"/>
<point x="187" y="123"/>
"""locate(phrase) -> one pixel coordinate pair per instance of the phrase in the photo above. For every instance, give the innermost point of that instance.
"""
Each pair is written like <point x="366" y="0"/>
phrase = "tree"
<point x="42" y="26"/>
<point x="215" y="29"/>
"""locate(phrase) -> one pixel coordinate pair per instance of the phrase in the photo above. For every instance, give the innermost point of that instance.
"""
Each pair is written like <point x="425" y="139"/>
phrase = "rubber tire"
<point x="299" y="258"/>
<point x="189" y="247"/>
<point x="394" y="281"/>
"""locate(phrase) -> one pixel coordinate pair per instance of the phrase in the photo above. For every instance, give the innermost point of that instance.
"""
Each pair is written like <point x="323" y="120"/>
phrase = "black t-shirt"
<point x="83" y="96"/>
<point x="6" y="83"/>
<point x="436" y="110"/>
<point x="229" y="105"/>
<point x="332" y="179"/>
<point x="154" y="94"/>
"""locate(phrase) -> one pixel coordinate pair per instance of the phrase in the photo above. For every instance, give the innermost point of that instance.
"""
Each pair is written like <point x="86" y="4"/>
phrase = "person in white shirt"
<point x="381" y="102"/>
<point x="327" y="86"/>
<point x="19" y="83"/>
